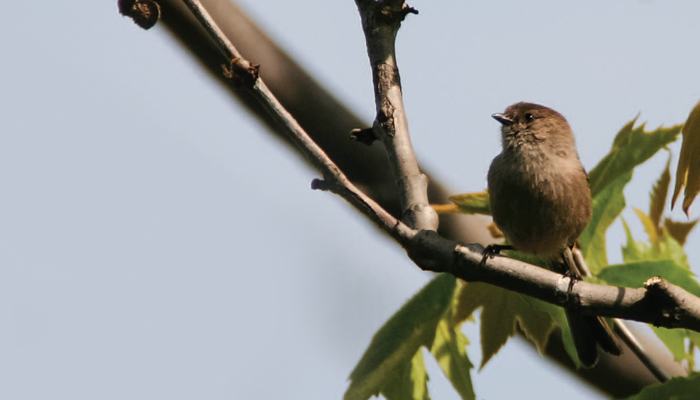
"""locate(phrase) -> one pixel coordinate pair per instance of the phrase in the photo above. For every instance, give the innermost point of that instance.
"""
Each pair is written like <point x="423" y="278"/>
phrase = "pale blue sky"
<point x="155" y="242"/>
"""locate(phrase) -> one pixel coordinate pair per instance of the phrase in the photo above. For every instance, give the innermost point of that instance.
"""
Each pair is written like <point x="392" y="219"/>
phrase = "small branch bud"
<point x="365" y="136"/>
<point x="242" y="72"/>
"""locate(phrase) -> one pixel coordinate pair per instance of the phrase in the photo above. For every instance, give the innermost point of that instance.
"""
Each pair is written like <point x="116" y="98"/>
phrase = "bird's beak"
<point x="503" y="119"/>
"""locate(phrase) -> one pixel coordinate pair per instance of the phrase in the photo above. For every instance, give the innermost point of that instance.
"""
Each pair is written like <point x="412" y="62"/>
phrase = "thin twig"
<point x="341" y="184"/>
<point x="222" y="42"/>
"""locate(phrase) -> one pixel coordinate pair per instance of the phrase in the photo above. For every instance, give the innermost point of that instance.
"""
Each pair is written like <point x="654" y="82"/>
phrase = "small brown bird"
<point x="541" y="200"/>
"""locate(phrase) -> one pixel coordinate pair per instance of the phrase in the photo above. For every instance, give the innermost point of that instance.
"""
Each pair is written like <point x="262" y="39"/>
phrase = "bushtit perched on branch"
<point x="541" y="200"/>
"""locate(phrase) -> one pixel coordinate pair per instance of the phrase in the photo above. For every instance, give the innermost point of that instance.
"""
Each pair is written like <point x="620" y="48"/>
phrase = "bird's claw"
<point x="492" y="251"/>
<point x="573" y="278"/>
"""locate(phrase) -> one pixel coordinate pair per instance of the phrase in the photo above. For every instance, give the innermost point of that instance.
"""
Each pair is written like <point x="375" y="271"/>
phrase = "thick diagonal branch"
<point x="659" y="302"/>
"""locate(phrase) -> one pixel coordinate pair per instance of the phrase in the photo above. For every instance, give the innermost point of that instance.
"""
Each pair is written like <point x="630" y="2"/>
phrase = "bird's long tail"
<point x="588" y="331"/>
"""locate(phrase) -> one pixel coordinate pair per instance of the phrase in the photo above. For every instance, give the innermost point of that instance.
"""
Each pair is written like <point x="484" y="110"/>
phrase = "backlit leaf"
<point x="501" y="310"/>
<point x="607" y="205"/>
<point x="674" y="339"/>
<point x="633" y="250"/>
<point x="449" y="349"/>
<point x="679" y="230"/>
<point x="446" y="209"/>
<point x="472" y="203"/>
<point x="666" y="248"/>
<point x="495" y="232"/>
<point x="688" y="170"/>
<point x="631" y="147"/>
<point x="694" y="337"/>
<point x="394" y="346"/>
<point x="673" y="266"/>
<point x="409" y="382"/>
<point x="649" y="226"/>
<point x="659" y="193"/>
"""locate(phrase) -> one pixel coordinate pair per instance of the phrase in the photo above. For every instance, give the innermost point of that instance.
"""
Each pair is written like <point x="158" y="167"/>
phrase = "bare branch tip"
<point x="390" y="11"/>
<point x="655" y="283"/>
<point x="408" y="10"/>
<point x="321" y="184"/>
<point x="144" y="13"/>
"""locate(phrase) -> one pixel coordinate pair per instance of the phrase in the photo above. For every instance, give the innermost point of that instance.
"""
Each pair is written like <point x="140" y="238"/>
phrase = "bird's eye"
<point x="529" y="117"/>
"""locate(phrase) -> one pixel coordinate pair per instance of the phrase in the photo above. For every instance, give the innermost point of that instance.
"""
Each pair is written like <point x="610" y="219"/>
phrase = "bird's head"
<point x="531" y="124"/>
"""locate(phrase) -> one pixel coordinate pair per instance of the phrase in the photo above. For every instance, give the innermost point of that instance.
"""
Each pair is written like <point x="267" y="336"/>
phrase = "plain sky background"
<point x="156" y="243"/>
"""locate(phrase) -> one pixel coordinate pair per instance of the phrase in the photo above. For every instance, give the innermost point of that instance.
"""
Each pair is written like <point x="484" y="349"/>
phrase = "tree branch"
<point x="245" y="73"/>
<point x="659" y="302"/>
<point x="327" y="120"/>
<point x="381" y="21"/>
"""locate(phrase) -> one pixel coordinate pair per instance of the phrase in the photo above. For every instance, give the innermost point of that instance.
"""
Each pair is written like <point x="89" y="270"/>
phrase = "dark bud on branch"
<point x="242" y="72"/>
<point x="145" y="13"/>
<point x="661" y="293"/>
<point x="391" y="11"/>
<point x="364" y="136"/>
<point x="408" y="10"/>
<point x="321" y="184"/>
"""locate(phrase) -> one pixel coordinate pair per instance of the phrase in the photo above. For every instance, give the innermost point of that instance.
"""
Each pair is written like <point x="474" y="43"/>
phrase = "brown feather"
<point x="541" y="201"/>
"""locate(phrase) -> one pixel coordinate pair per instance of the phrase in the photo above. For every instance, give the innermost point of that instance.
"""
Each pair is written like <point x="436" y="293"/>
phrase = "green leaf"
<point x="686" y="388"/>
<point x="472" y="203"/>
<point x="607" y="205"/>
<point x="665" y="251"/>
<point x="659" y="193"/>
<point x="396" y="343"/>
<point x="561" y="321"/>
<point x="633" y="250"/>
<point x="688" y="170"/>
<point x="409" y="382"/>
<point x="450" y="353"/>
<point x="694" y="337"/>
<point x="674" y="339"/>
<point x="636" y="273"/>
<point x="501" y="310"/>
<point x="631" y="147"/>
<point x="666" y="248"/>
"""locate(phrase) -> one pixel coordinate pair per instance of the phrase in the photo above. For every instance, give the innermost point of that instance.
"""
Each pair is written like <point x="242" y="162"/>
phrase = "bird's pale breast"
<point x="534" y="202"/>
